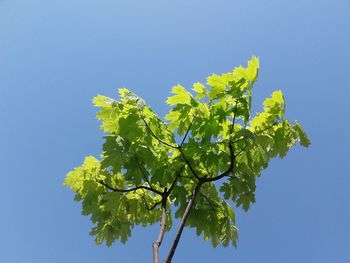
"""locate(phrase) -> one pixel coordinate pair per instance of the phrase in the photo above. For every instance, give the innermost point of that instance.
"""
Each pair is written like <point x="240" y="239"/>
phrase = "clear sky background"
<point x="56" y="55"/>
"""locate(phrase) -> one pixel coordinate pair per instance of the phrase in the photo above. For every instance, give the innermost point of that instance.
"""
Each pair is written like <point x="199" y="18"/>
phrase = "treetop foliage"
<point x="223" y="147"/>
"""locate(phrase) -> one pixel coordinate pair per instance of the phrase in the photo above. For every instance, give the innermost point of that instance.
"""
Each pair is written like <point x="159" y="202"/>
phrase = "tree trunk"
<point x="159" y="240"/>
<point x="183" y="222"/>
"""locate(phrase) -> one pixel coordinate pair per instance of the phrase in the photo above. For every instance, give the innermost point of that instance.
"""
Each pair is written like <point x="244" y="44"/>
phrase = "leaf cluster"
<point x="143" y="168"/>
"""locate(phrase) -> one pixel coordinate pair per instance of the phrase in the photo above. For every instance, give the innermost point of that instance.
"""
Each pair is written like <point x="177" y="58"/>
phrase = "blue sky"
<point x="56" y="55"/>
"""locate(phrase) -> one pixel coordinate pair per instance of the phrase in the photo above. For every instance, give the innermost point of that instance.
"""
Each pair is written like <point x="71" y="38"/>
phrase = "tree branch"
<point x="165" y="195"/>
<point x="145" y="202"/>
<point x="143" y="172"/>
<point x="210" y="203"/>
<point x="188" y="163"/>
<point x="234" y="118"/>
<point x="226" y="153"/>
<point x="154" y="205"/>
<point x="245" y="146"/>
<point x="268" y="127"/>
<point x="229" y="170"/>
<point x="183" y="222"/>
<point x="130" y="189"/>
<point x="233" y="156"/>
<point x="159" y="240"/>
<point x="232" y="163"/>
<point x="256" y="133"/>
<point x="156" y="137"/>
<point x="188" y="129"/>
<point x="178" y="174"/>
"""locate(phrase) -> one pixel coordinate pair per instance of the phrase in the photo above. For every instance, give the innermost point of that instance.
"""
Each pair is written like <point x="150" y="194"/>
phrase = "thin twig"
<point x="234" y="118"/>
<point x="256" y="133"/>
<point x="210" y="203"/>
<point x="229" y="169"/>
<point x="245" y="146"/>
<point x="155" y="205"/>
<point x="188" y="163"/>
<point x="226" y="153"/>
<point x="170" y="164"/>
<point x="188" y="129"/>
<point x="145" y="202"/>
<point x="268" y="127"/>
<point x="156" y="137"/>
<point x="144" y="175"/>
<point x="174" y="182"/>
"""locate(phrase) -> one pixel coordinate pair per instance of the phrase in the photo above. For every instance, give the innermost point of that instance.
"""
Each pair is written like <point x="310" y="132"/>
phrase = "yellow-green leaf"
<point x="199" y="88"/>
<point x="250" y="73"/>
<point x="181" y="96"/>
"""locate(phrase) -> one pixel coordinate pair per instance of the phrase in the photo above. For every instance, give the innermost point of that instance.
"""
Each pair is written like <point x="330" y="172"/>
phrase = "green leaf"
<point x="250" y="73"/>
<point x="103" y="101"/>
<point x="218" y="85"/>
<point x="173" y="117"/>
<point x="304" y="139"/>
<point x="181" y="96"/>
<point x="200" y="89"/>
<point x="275" y="104"/>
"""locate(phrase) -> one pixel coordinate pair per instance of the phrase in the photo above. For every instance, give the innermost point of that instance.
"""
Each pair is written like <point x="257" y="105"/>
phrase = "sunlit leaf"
<point x="181" y="96"/>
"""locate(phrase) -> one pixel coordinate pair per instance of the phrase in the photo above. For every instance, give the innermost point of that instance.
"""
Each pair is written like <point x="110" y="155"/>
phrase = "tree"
<point x="194" y="165"/>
